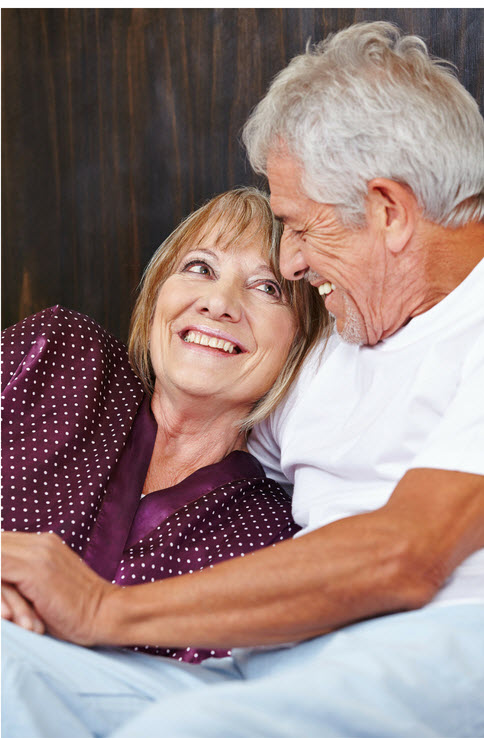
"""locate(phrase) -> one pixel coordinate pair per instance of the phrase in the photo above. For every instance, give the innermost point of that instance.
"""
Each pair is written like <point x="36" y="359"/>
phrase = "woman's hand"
<point x="16" y="609"/>
<point x="61" y="589"/>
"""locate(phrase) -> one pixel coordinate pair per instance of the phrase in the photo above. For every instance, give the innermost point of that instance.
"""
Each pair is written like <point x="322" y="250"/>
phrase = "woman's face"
<point x="221" y="326"/>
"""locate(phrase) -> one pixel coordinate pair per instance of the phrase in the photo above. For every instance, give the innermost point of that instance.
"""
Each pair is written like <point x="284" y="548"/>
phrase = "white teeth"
<point x="192" y="337"/>
<point x="326" y="288"/>
<point x="204" y="340"/>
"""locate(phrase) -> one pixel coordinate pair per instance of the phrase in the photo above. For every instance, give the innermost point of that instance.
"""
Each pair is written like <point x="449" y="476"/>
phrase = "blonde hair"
<point x="230" y="215"/>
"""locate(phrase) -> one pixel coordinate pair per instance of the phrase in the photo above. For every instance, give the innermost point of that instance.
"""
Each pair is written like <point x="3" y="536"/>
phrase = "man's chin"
<point x="350" y="331"/>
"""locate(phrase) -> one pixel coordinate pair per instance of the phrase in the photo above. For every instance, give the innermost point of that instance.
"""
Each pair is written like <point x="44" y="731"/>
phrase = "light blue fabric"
<point x="54" y="689"/>
<point x="415" y="675"/>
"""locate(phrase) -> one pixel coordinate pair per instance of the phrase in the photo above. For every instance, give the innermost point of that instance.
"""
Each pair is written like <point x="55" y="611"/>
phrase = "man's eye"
<point x="270" y="288"/>
<point x="197" y="267"/>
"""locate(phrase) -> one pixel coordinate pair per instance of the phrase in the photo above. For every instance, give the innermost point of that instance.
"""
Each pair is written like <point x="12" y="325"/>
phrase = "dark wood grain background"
<point x="117" y="123"/>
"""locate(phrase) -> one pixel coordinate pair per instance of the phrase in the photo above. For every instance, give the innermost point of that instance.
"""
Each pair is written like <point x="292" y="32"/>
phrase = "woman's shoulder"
<point x="61" y="340"/>
<point x="56" y="322"/>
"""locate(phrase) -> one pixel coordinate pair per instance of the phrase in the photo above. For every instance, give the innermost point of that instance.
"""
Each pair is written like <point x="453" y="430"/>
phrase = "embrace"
<point x="332" y="342"/>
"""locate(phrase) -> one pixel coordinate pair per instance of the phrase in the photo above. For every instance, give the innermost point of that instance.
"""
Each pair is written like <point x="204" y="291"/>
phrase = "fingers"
<point x="23" y="551"/>
<point x="59" y="590"/>
<point x="16" y="609"/>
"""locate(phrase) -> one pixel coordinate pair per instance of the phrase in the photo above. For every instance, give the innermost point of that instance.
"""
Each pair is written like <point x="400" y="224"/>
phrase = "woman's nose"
<point x="221" y="302"/>
<point x="292" y="263"/>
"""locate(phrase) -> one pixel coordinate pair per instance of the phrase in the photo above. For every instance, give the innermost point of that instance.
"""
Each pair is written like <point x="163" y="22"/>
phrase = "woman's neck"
<point x="190" y="435"/>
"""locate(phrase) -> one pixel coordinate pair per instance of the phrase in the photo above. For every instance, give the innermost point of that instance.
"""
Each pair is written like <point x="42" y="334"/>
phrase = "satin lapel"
<point x="156" y="507"/>
<point x="121" y="500"/>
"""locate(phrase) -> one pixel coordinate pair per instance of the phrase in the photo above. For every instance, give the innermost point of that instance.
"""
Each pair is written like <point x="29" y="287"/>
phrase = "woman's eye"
<point x="270" y="288"/>
<point x="197" y="267"/>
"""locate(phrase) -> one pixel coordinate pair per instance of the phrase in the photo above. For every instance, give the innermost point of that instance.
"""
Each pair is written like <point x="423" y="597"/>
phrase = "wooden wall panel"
<point x="117" y="123"/>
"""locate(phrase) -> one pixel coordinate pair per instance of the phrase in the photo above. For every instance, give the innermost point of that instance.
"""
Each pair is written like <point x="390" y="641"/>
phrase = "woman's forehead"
<point x="228" y="228"/>
<point x="227" y="235"/>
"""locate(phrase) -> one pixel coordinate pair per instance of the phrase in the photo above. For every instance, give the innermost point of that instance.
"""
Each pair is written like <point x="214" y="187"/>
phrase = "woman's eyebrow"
<point x="262" y="268"/>
<point x="265" y="269"/>
<point x="207" y="252"/>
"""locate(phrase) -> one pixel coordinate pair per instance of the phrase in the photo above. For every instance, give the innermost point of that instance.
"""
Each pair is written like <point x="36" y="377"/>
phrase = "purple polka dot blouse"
<point x="77" y="439"/>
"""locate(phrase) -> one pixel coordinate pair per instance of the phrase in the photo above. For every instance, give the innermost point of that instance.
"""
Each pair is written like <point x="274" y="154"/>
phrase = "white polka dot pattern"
<point x="69" y="400"/>
<point x="69" y="397"/>
<point x="233" y="520"/>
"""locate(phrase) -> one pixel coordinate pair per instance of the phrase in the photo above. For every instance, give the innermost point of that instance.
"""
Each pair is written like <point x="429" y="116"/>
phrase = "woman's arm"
<point x="16" y="609"/>
<point x="62" y="589"/>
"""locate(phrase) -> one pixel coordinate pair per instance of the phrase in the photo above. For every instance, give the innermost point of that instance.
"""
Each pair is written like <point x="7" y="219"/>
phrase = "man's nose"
<point x="221" y="301"/>
<point x="292" y="263"/>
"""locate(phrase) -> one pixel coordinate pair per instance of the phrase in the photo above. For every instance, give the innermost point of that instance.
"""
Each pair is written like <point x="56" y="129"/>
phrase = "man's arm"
<point x="395" y="558"/>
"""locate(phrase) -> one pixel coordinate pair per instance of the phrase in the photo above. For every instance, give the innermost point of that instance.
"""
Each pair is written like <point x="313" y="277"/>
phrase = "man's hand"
<point x="43" y="578"/>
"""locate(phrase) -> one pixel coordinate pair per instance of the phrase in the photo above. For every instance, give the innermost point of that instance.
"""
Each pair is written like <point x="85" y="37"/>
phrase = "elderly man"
<point x="375" y="160"/>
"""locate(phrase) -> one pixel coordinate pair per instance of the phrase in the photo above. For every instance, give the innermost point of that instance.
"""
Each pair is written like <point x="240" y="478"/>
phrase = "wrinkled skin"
<point x="373" y="268"/>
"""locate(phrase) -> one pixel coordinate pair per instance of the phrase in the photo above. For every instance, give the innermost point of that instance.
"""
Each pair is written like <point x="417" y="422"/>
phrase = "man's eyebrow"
<point x="286" y="219"/>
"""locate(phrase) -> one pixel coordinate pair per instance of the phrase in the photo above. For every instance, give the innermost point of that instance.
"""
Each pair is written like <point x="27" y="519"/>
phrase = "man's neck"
<point x="448" y="257"/>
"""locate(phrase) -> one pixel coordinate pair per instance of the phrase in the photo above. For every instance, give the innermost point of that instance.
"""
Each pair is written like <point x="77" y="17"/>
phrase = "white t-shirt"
<point x="359" y="417"/>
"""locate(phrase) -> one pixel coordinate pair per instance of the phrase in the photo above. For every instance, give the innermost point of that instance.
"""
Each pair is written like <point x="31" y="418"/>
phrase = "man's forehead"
<point x="283" y="170"/>
<point x="283" y="173"/>
<point x="286" y="193"/>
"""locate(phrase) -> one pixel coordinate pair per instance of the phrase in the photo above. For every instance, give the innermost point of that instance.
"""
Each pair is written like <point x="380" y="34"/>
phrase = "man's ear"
<point x="394" y="207"/>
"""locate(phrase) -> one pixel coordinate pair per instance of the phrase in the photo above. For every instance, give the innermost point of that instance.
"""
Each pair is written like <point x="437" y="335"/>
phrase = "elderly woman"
<point x="150" y="478"/>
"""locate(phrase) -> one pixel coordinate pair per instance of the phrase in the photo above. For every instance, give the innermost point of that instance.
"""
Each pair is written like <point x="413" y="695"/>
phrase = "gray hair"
<point x="369" y="102"/>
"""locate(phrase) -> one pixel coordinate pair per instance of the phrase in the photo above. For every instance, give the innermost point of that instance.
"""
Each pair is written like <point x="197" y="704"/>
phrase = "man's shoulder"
<point x="312" y="368"/>
<point x="316" y="359"/>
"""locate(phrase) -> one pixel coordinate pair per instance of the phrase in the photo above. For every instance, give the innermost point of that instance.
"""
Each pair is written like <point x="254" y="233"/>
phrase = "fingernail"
<point x="25" y="622"/>
<point x="38" y="627"/>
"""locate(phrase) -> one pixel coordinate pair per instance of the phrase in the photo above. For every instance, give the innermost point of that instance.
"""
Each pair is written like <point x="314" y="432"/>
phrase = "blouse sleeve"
<point x="69" y="397"/>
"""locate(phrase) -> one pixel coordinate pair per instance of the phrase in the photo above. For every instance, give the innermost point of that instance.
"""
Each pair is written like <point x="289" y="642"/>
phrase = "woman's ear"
<point x="394" y="207"/>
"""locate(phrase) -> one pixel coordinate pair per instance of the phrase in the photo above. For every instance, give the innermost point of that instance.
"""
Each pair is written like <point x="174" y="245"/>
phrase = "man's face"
<point x="350" y="266"/>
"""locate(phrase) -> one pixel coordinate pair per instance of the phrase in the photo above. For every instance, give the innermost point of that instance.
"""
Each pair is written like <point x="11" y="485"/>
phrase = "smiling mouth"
<point x="323" y="286"/>
<point x="326" y="289"/>
<point x="215" y="343"/>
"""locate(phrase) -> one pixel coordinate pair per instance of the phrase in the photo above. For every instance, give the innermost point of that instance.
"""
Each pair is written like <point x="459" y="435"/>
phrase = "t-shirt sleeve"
<point x="266" y="448"/>
<point x="457" y="443"/>
<point x="266" y="439"/>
